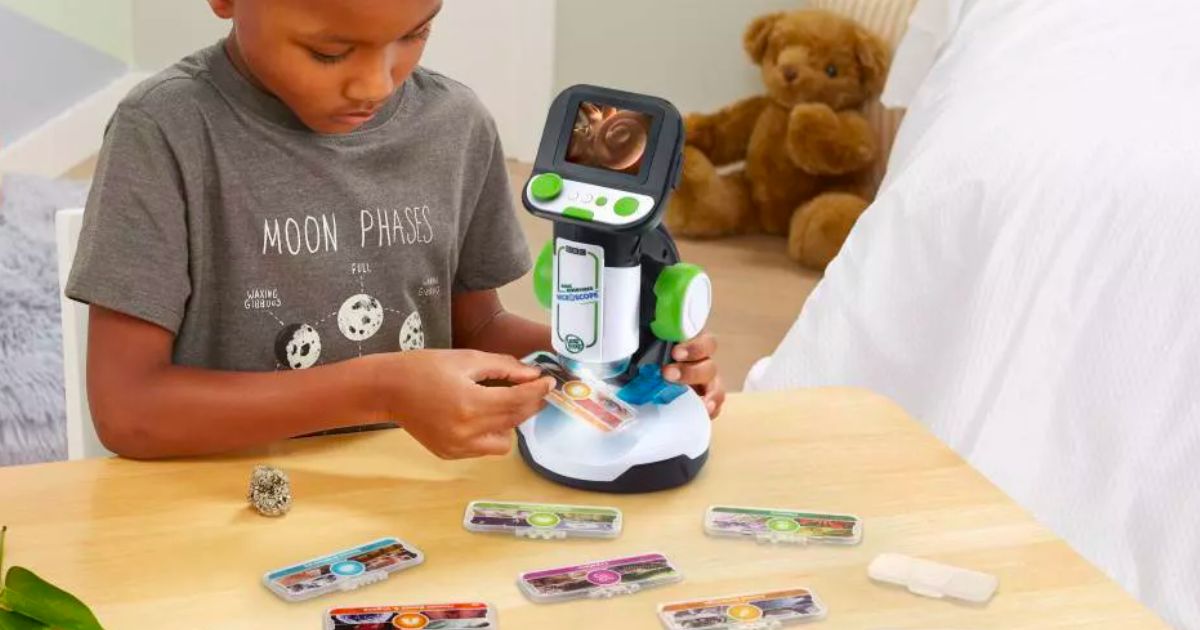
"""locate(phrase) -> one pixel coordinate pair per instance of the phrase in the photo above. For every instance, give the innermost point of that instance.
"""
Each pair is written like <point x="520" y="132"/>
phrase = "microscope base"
<point x="666" y="448"/>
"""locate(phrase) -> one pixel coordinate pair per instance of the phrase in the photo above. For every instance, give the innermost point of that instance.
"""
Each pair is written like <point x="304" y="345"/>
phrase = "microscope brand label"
<point x="578" y="313"/>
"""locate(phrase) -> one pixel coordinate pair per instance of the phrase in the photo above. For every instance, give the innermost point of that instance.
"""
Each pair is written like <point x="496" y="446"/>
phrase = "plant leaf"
<point x="14" y="621"/>
<point x="3" y="530"/>
<point x="26" y="593"/>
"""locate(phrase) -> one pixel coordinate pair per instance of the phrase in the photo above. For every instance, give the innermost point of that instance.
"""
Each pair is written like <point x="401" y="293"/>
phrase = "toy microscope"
<point x="618" y="295"/>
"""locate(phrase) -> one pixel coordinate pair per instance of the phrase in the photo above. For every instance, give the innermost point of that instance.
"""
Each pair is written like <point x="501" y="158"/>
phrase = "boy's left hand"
<point x="695" y="366"/>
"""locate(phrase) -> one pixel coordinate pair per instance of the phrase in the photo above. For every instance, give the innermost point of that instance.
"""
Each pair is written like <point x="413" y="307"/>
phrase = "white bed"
<point x="1028" y="281"/>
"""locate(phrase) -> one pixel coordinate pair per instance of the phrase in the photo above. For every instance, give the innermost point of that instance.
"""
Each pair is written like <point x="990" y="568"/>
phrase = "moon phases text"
<point x="318" y="233"/>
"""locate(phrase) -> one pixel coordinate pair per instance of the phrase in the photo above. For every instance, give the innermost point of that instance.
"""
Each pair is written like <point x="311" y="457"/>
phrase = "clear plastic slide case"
<point x="596" y="580"/>
<point x="769" y="525"/>
<point x="543" y="520"/>
<point x="344" y="570"/>
<point x="460" y="616"/>
<point x="752" y="611"/>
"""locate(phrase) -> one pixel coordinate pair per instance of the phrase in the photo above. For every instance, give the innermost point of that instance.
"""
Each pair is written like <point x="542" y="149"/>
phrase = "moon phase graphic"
<point x="412" y="333"/>
<point x="298" y="346"/>
<point x="360" y="317"/>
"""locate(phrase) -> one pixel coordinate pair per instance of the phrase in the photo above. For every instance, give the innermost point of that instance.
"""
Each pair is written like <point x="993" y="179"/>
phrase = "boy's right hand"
<point x="437" y="396"/>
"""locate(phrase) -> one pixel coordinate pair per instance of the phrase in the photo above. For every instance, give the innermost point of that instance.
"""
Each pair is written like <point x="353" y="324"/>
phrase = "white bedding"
<point x="1028" y="281"/>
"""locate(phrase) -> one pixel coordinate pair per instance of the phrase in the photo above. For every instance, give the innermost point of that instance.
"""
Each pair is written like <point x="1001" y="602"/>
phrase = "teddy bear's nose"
<point x="790" y="73"/>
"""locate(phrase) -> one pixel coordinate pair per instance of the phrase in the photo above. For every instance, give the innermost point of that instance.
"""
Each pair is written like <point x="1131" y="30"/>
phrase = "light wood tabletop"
<point x="175" y="545"/>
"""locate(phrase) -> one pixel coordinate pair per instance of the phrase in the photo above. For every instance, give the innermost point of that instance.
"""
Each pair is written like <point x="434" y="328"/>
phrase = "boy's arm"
<point x="145" y="407"/>
<point x="481" y="323"/>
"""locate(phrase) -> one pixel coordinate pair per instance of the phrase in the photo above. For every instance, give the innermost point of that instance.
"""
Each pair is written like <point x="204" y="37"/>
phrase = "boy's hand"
<point x="695" y="366"/>
<point x="437" y="396"/>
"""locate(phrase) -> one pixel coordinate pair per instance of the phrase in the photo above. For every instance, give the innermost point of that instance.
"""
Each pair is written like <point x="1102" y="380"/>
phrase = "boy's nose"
<point x="373" y="86"/>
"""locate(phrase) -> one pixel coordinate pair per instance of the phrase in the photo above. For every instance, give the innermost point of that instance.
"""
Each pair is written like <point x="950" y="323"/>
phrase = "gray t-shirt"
<point x="262" y="245"/>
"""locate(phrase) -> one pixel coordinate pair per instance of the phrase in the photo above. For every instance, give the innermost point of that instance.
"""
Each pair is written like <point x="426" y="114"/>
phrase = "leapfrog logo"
<point x="574" y="344"/>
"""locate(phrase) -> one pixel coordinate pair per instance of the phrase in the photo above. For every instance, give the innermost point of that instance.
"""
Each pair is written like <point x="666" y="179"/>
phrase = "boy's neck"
<point x="239" y="63"/>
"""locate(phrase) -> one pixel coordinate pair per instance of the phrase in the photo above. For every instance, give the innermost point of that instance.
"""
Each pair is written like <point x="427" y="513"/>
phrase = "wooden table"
<point x="174" y="544"/>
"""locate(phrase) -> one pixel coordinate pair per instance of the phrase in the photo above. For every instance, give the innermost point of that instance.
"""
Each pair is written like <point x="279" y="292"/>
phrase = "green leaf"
<point x="14" y="621"/>
<point x="37" y="599"/>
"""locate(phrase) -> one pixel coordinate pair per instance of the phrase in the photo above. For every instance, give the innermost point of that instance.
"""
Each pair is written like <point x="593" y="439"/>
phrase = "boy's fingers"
<point x="493" y="443"/>
<point x="485" y="366"/>
<point x="714" y="397"/>
<point x="526" y="393"/>
<point x="700" y="347"/>
<point x="514" y="404"/>
<point x="698" y="373"/>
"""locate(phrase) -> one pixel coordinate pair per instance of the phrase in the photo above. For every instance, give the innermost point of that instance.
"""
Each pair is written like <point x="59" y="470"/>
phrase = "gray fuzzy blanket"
<point x="32" y="417"/>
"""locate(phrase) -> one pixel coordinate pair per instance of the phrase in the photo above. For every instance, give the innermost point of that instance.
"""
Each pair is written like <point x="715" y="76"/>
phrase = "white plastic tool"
<point x="933" y="579"/>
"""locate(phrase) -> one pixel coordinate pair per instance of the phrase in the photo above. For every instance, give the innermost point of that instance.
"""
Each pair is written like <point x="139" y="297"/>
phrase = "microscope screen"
<point x="606" y="137"/>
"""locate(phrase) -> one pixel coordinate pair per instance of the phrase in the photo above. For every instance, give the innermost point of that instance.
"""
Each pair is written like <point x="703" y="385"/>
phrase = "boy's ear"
<point x="222" y="8"/>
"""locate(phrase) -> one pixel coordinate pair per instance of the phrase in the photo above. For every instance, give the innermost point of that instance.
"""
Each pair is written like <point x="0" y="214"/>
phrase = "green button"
<point x="601" y="201"/>
<point x="546" y="187"/>
<point x="578" y="213"/>
<point x="626" y="206"/>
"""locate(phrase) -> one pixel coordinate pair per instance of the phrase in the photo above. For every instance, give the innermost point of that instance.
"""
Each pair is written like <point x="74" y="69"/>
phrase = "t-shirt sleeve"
<point x="133" y="249"/>
<point x="494" y="251"/>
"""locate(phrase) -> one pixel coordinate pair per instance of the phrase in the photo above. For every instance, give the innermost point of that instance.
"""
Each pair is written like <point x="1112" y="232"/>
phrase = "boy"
<point x="275" y="216"/>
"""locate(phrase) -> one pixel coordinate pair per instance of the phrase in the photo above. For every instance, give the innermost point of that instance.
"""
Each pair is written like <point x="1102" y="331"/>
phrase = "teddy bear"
<point x="806" y="147"/>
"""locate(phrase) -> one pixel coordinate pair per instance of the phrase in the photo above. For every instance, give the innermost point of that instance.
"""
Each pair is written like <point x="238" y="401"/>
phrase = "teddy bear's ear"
<point x="873" y="57"/>
<point x="757" y="35"/>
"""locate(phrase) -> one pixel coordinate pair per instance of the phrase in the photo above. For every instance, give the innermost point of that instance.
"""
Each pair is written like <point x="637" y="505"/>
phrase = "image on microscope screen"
<point x="606" y="137"/>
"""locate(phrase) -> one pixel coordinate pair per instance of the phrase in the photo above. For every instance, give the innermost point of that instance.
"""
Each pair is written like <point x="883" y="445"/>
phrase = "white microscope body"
<point x="618" y="295"/>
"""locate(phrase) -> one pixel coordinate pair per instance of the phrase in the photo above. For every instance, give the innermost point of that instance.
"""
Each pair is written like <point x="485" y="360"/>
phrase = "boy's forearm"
<point x="175" y="411"/>
<point x="511" y="334"/>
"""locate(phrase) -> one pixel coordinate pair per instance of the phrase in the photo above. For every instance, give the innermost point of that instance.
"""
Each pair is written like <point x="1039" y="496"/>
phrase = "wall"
<point x="165" y="31"/>
<point x="104" y="25"/>
<point x="687" y="51"/>
<point x="504" y="50"/>
<point x="44" y="68"/>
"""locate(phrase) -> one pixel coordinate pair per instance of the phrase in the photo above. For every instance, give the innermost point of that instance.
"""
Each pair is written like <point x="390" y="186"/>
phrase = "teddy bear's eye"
<point x="831" y="71"/>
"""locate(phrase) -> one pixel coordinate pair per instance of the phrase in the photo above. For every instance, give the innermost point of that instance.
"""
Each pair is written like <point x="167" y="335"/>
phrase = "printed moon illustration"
<point x="298" y="346"/>
<point x="412" y="333"/>
<point x="360" y="317"/>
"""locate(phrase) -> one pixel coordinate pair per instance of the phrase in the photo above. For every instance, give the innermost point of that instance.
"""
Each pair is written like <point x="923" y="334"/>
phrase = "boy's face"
<point x="334" y="63"/>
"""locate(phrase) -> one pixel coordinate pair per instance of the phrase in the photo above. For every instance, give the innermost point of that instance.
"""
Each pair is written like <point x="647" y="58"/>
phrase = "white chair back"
<point x="82" y="442"/>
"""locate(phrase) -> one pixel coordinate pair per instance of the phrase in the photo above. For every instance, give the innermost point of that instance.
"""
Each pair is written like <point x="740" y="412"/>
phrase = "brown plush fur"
<point x="807" y="148"/>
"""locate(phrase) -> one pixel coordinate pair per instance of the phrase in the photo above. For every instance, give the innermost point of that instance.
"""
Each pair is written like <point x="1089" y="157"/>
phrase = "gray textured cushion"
<point x="32" y="419"/>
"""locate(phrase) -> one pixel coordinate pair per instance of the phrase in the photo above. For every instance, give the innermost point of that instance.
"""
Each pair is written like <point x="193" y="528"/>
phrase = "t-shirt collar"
<point x="230" y="81"/>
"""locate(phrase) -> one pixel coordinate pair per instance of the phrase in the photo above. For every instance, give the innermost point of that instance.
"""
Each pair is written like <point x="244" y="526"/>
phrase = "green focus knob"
<point x="684" y="300"/>
<point x="546" y="187"/>
<point x="543" y="275"/>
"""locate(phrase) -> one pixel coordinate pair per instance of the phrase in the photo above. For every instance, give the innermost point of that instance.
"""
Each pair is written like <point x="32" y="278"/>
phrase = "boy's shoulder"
<point x="174" y="91"/>
<point x="444" y="95"/>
